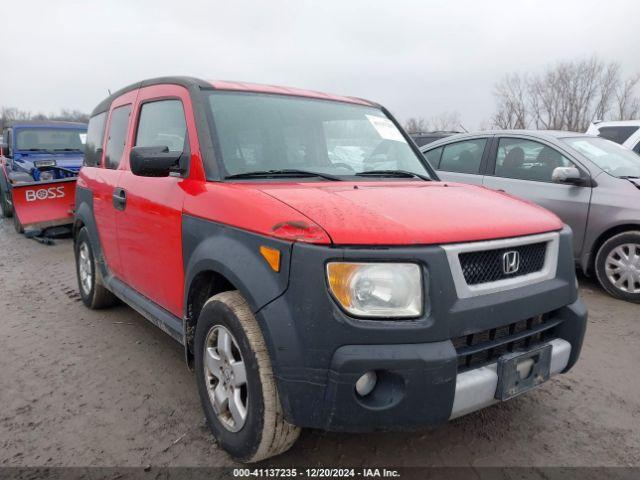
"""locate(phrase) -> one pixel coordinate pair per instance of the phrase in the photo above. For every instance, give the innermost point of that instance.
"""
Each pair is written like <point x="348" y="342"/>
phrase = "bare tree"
<point x="12" y="114"/>
<point x="512" y="108"/>
<point x="567" y="96"/>
<point x="627" y="105"/>
<point x="443" y="121"/>
<point x="415" y="125"/>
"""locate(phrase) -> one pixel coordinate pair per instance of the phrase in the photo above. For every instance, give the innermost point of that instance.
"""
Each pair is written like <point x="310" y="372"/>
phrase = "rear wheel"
<point x="236" y="384"/>
<point x="618" y="266"/>
<point x="92" y="290"/>
<point x="7" y="211"/>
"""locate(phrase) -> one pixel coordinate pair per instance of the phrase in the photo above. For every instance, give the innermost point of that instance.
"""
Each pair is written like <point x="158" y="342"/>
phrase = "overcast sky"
<point x="418" y="58"/>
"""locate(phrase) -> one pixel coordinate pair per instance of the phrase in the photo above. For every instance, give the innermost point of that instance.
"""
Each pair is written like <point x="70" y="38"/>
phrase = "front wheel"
<point x="236" y="384"/>
<point x="618" y="266"/>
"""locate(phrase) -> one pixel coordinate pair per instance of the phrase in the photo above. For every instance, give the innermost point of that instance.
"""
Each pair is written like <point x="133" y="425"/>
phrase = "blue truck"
<point x="39" y="164"/>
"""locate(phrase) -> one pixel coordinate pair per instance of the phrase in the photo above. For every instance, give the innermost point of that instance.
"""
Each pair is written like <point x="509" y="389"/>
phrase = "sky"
<point x="418" y="58"/>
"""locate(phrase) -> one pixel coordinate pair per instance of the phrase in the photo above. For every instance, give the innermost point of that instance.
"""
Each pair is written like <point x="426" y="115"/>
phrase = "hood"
<point x="71" y="160"/>
<point x="402" y="213"/>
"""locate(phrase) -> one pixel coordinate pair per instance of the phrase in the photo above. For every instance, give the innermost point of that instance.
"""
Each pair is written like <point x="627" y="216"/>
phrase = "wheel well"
<point x="604" y="237"/>
<point x="205" y="285"/>
<point x="77" y="225"/>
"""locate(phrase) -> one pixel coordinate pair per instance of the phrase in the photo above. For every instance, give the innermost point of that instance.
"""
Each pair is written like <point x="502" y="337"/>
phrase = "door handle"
<point x="119" y="198"/>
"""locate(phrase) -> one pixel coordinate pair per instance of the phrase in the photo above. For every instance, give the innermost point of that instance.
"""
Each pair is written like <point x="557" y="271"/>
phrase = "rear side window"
<point x="118" y="127"/>
<point x="463" y="157"/>
<point x="162" y="124"/>
<point x="617" y="134"/>
<point x="433" y="157"/>
<point x="95" y="137"/>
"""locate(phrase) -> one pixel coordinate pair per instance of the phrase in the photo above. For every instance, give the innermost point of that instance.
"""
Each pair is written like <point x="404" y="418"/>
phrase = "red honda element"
<point x="313" y="266"/>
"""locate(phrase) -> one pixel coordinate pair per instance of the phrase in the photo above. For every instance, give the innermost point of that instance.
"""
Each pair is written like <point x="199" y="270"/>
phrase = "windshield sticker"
<point x="385" y="128"/>
<point x="83" y="138"/>
<point x="589" y="148"/>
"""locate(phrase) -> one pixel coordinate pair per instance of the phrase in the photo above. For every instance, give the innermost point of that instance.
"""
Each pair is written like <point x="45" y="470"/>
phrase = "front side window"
<point x="463" y="157"/>
<point x="50" y="139"/>
<point x="528" y="160"/>
<point x="614" y="159"/>
<point x="262" y="132"/>
<point x="162" y="124"/>
<point x="118" y="127"/>
<point x="95" y="137"/>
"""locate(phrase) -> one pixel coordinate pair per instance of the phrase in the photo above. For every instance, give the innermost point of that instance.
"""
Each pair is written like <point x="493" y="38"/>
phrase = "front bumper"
<point x="318" y="353"/>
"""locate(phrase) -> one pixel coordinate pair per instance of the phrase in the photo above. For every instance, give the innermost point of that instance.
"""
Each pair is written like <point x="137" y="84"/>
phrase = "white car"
<point x="624" y="132"/>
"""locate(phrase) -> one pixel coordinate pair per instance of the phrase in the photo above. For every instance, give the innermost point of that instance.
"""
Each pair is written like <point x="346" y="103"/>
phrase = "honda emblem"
<point x="510" y="262"/>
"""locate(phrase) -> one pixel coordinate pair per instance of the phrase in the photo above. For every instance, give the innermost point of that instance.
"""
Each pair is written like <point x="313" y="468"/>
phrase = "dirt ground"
<point x="107" y="388"/>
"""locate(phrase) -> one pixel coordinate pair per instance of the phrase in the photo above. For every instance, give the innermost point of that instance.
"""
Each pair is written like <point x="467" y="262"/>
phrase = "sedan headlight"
<point x="377" y="289"/>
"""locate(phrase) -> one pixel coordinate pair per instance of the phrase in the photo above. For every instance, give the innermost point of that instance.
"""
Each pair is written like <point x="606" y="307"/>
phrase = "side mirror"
<point x="4" y="149"/>
<point x="154" y="161"/>
<point x="567" y="175"/>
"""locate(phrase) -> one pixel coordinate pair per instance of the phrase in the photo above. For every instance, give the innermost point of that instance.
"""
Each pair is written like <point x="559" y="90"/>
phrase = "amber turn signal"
<point x="272" y="256"/>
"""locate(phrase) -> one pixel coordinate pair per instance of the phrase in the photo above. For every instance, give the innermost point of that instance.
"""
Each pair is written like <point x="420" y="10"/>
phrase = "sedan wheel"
<point x="617" y="266"/>
<point x="623" y="267"/>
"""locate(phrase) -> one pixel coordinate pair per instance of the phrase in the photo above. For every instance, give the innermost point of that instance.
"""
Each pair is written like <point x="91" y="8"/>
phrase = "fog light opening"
<point x="366" y="383"/>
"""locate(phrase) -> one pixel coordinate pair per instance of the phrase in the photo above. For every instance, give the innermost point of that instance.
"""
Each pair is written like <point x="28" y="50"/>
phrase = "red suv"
<point x="313" y="266"/>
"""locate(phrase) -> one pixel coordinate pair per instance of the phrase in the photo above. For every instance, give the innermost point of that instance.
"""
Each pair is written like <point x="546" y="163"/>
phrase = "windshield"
<point x="610" y="157"/>
<point x="50" y="139"/>
<point x="261" y="133"/>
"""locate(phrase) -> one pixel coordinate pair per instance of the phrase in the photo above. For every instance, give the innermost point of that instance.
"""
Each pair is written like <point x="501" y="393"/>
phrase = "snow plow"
<point x="38" y="169"/>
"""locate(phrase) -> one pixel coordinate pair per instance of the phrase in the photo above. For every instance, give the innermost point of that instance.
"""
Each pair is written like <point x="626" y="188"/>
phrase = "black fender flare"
<point x="235" y="255"/>
<point x="84" y="214"/>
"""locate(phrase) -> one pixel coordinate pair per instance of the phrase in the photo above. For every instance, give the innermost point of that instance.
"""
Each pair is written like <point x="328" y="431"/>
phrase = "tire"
<point x="616" y="262"/>
<point x="7" y="211"/>
<point x="264" y="432"/>
<point x="92" y="290"/>
<point x="17" y="225"/>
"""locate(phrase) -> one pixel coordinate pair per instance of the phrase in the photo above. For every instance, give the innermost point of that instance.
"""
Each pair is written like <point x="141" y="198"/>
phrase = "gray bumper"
<point x="476" y="388"/>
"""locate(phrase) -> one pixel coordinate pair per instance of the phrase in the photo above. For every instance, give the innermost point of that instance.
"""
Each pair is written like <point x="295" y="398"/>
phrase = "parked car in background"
<point x="591" y="183"/>
<point x="425" y="138"/>
<point x="624" y="132"/>
<point x="306" y="292"/>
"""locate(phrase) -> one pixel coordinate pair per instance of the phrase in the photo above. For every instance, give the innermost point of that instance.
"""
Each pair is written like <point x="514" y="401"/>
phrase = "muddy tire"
<point x="617" y="266"/>
<point x="92" y="290"/>
<point x="7" y="211"/>
<point x="236" y="383"/>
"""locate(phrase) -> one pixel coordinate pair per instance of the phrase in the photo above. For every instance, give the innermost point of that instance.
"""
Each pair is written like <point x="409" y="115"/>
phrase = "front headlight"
<point x="44" y="163"/>
<point x="377" y="289"/>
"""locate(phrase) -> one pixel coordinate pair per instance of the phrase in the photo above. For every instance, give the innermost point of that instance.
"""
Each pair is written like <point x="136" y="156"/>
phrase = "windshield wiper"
<point x="34" y="150"/>
<point x="283" y="173"/>
<point x="67" y="150"/>
<point x="393" y="173"/>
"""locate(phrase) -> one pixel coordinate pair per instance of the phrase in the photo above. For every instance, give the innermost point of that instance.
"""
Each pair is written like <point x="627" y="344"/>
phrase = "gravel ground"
<point x="107" y="388"/>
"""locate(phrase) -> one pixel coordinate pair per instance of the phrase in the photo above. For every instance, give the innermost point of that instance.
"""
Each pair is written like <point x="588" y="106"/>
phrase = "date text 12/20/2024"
<point x="316" y="472"/>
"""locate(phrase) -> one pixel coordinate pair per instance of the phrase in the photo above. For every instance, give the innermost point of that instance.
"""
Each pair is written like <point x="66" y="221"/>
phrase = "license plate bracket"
<point x="519" y="372"/>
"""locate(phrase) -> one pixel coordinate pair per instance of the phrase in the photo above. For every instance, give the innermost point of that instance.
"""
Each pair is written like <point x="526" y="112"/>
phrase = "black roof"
<point x="187" y="82"/>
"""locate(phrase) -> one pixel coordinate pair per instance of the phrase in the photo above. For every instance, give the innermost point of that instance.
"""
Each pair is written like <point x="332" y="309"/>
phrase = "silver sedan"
<point x="591" y="183"/>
